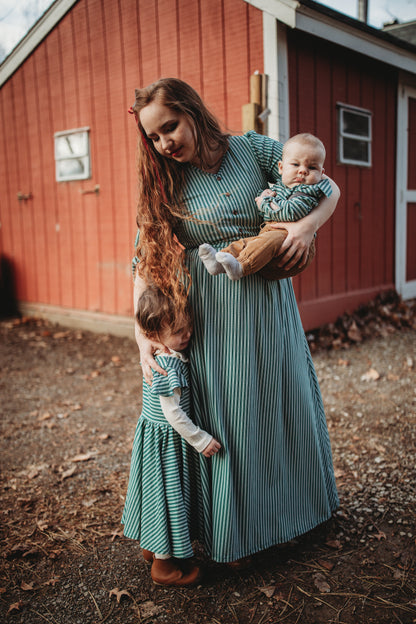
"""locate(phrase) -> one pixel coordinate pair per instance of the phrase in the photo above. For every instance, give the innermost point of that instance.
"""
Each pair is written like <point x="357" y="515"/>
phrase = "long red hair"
<point x="160" y="185"/>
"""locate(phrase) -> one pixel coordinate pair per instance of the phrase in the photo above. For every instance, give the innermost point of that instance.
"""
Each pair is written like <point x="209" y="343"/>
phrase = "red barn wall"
<point x="355" y="257"/>
<point x="72" y="249"/>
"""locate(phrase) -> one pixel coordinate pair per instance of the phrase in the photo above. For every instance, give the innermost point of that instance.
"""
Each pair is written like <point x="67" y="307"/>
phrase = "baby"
<point x="301" y="187"/>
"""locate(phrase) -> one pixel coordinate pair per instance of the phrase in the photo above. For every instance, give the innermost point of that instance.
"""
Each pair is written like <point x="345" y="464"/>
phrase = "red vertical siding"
<point x="410" y="245"/>
<point x="356" y="248"/>
<point x="411" y="150"/>
<point x="72" y="248"/>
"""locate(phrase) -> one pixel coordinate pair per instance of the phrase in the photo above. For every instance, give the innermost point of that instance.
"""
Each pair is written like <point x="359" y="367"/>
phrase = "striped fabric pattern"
<point x="294" y="203"/>
<point x="162" y="499"/>
<point x="253" y="382"/>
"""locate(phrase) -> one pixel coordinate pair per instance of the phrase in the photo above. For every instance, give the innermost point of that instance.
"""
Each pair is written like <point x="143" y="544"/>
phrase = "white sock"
<point x="231" y="265"/>
<point x="207" y="255"/>
<point x="157" y="556"/>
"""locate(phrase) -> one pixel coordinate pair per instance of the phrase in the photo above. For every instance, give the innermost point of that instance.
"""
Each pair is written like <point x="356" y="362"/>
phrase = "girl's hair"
<point x="161" y="183"/>
<point x="156" y="311"/>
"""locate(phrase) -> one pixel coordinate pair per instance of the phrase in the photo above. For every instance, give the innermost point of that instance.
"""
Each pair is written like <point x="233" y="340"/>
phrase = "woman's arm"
<point x="300" y="233"/>
<point x="146" y="347"/>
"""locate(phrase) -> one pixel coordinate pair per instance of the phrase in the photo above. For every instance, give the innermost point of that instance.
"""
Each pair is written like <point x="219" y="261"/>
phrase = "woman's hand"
<point x="300" y="233"/>
<point x="147" y="349"/>
<point x="295" y="247"/>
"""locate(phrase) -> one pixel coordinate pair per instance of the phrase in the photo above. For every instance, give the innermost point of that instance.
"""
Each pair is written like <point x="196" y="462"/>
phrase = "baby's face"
<point x="301" y="164"/>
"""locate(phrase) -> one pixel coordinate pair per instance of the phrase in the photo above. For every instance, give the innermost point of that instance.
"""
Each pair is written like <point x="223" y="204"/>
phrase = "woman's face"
<point x="170" y="131"/>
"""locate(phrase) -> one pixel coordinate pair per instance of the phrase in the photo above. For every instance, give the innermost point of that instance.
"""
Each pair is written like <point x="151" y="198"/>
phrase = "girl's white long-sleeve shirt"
<point x="180" y="421"/>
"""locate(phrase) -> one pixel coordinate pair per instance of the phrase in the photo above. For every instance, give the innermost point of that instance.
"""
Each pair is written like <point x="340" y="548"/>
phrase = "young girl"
<point x="161" y="498"/>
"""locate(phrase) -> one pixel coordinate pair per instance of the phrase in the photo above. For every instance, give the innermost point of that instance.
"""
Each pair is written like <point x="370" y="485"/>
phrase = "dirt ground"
<point x="69" y="404"/>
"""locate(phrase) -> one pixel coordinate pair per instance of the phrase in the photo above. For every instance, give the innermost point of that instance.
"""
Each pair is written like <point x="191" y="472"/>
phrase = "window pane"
<point x="71" y="145"/>
<point x="70" y="168"/>
<point x="353" y="123"/>
<point x="356" y="150"/>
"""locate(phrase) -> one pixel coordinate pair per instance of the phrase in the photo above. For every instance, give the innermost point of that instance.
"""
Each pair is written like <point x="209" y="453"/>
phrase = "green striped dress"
<point x="162" y="504"/>
<point x="253" y="382"/>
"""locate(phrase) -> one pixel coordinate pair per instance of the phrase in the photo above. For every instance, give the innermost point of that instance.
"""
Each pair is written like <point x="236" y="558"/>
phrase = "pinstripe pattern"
<point x="161" y="503"/>
<point x="253" y="382"/>
<point x="294" y="203"/>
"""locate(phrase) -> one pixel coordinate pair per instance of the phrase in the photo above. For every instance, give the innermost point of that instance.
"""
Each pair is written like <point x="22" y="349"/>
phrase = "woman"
<point x="253" y="381"/>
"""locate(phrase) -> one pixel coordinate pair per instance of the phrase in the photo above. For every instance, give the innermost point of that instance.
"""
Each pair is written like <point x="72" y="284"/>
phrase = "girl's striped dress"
<point x="253" y="382"/>
<point x="161" y="503"/>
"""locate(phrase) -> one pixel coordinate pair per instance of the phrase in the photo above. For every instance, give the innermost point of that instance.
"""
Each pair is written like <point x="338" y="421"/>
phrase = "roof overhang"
<point x="315" y="19"/>
<point x="34" y="37"/>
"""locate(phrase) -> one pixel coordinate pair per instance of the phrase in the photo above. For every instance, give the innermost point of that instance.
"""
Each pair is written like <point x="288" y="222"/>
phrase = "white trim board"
<point x="306" y="19"/>
<point x="35" y="36"/>
<point x="404" y="196"/>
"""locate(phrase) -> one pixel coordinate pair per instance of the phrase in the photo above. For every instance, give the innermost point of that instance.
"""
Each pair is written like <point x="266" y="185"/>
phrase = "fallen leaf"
<point x="42" y="525"/>
<point x="26" y="586"/>
<point x="16" y="606"/>
<point x="148" y="609"/>
<point x="379" y="536"/>
<point x="333" y="543"/>
<point x="354" y="333"/>
<point x="62" y="334"/>
<point x="116" y="533"/>
<point x="370" y="375"/>
<point x="319" y="581"/>
<point x="68" y="473"/>
<point x="268" y="590"/>
<point x="82" y="458"/>
<point x="118" y="593"/>
<point x="90" y="502"/>
<point x="328" y="565"/>
<point x="53" y="581"/>
<point x="44" y="416"/>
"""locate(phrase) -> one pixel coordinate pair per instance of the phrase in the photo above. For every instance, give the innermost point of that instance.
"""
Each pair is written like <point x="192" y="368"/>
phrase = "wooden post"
<point x="251" y="111"/>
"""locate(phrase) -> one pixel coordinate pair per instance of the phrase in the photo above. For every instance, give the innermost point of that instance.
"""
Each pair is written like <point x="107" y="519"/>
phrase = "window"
<point x="354" y="147"/>
<point x="72" y="155"/>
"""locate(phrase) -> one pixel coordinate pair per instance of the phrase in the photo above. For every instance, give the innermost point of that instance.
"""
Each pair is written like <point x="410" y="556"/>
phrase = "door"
<point x="406" y="193"/>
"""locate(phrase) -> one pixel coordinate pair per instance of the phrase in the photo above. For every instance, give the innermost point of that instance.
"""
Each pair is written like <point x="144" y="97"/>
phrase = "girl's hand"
<point x="212" y="448"/>
<point x="147" y="349"/>
<point x="295" y="247"/>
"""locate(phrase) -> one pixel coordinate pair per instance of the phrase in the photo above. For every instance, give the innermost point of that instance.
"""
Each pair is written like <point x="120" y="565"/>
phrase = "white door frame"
<point x="407" y="289"/>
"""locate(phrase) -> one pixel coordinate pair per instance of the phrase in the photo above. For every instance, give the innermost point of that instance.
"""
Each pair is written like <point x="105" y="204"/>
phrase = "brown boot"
<point x="168" y="572"/>
<point x="147" y="555"/>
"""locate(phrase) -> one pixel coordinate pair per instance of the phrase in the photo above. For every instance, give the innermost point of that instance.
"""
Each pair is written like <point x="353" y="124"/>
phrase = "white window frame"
<point x="83" y="155"/>
<point x="346" y="135"/>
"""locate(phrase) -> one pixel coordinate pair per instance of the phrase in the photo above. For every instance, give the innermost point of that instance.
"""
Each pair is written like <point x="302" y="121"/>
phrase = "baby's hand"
<point x="212" y="448"/>
<point x="266" y="193"/>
